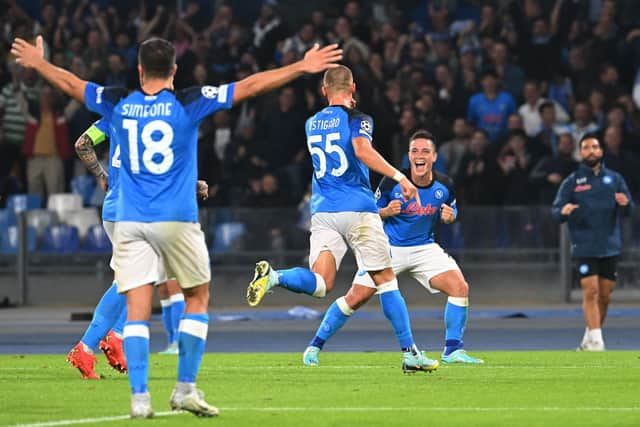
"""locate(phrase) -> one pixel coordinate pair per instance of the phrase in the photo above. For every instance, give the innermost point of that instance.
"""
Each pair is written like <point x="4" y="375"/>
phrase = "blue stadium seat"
<point x="84" y="185"/>
<point x="17" y="203"/>
<point x="61" y="239"/>
<point x="225" y="235"/>
<point x="97" y="240"/>
<point x="7" y="218"/>
<point x="9" y="240"/>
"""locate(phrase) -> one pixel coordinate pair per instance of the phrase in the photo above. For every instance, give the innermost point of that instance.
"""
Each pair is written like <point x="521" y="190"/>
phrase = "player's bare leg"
<point x="315" y="282"/>
<point x="605" y="288"/>
<point x="453" y="284"/>
<point x="592" y="316"/>
<point x="192" y="337"/>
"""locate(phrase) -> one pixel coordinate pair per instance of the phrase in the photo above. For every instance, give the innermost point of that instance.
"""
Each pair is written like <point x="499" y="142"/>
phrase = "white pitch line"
<point x="90" y="420"/>
<point x="340" y="409"/>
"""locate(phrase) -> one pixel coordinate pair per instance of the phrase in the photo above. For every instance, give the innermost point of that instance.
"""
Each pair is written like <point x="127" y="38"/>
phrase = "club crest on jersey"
<point x="438" y="194"/>
<point x="607" y="179"/>
<point x="209" y="91"/>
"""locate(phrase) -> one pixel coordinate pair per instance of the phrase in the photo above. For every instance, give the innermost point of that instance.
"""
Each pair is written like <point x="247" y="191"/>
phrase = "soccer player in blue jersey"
<point x="343" y="208"/>
<point x="106" y="326"/>
<point x="156" y="210"/>
<point x="410" y="228"/>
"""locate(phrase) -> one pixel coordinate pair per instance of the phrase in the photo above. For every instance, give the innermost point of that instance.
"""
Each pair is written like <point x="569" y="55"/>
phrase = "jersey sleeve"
<point x="101" y="99"/>
<point x="383" y="193"/>
<point x="98" y="132"/>
<point x="562" y="198"/>
<point x="202" y="101"/>
<point x="451" y="198"/>
<point x="361" y="125"/>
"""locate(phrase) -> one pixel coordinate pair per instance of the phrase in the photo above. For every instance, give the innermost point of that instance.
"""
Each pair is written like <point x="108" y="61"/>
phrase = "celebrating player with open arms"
<point x="410" y="228"/>
<point x="156" y="210"/>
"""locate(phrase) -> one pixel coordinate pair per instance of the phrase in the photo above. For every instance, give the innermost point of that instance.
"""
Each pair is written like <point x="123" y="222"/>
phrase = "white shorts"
<point x="108" y="228"/>
<point x="362" y="231"/>
<point x="139" y="249"/>
<point x="421" y="262"/>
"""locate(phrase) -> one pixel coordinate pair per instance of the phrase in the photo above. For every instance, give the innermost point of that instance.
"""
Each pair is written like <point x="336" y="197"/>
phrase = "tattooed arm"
<point x="86" y="153"/>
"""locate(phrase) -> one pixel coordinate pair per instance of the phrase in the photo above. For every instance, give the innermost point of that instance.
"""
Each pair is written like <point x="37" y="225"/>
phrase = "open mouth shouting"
<point x="420" y="166"/>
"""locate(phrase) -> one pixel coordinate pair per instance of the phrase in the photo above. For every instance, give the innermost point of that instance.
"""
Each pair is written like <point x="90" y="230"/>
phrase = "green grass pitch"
<point x="349" y="389"/>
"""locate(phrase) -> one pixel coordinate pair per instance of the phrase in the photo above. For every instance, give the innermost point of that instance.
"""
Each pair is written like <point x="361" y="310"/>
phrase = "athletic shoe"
<point x="172" y="349"/>
<point x="413" y="362"/>
<point x="310" y="356"/>
<point x="592" y="346"/>
<point x="141" y="405"/>
<point x="112" y="348"/>
<point x="460" y="356"/>
<point x="84" y="361"/>
<point x="264" y="279"/>
<point x="193" y="402"/>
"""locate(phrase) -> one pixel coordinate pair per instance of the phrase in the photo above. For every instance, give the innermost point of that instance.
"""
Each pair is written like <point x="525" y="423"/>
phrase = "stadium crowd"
<point x="507" y="87"/>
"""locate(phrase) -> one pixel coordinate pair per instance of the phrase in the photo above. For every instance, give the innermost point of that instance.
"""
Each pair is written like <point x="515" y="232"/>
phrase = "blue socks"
<point x="335" y="317"/>
<point x="302" y="281"/>
<point x="192" y="337"/>
<point x="177" y="310"/>
<point x="105" y="315"/>
<point x="172" y="311"/>
<point x="395" y="310"/>
<point x="167" y="321"/>
<point x="136" y="349"/>
<point x="118" y="327"/>
<point x="455" y="320"/>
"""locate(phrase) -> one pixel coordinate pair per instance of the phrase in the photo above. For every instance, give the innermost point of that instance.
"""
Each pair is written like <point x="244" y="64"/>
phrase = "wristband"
<point x="398" y="176"/>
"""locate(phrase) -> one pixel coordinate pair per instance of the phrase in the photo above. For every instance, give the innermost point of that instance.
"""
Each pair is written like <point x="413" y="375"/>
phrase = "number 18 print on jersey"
<point x="157" y="140"/>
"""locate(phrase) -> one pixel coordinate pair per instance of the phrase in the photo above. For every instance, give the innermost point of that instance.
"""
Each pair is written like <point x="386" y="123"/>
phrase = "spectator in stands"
<point x="581" y="125"/>
<point x="454" y="150"/>
<point x="622" y="161"/>
<point x="552" y="169"/>
<point x="515" y="162"/>
<point x="478" y="173"/>
<point x="511" y="75"/>
<point x="490" y="109"/>
<point x="46" y="145"/>
<point x="546" y="140"/>
<point x="13" y="119"/>
<point x="530" y="110"/>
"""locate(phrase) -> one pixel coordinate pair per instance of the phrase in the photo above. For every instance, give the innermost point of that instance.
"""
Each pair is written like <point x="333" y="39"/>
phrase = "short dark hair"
<point x="424" y="134"/>
<point x="545" y="105"/>
<point x="157" y="57"/>
<point x="588" y="136"/>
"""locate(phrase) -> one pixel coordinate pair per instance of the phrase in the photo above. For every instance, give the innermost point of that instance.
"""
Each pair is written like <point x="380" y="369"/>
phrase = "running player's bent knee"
<point x="389" y="286"/>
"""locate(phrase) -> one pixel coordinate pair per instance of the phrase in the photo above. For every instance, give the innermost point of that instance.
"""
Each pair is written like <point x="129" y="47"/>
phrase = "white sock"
<point x="185" y="388"/>
<point x="86" y="348"/>
<point x="595" y="335"/>
<point x="321" y="287"/>
<point x="585" y="337"/>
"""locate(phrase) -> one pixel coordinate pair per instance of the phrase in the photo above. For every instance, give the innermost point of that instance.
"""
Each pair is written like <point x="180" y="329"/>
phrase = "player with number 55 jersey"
<point x="344" y="213"/>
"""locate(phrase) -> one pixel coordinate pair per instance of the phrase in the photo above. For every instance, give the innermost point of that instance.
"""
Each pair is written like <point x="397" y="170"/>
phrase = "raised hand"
<point x="446" y="214"/>
<point x="202" y="190"/>
<point x="27" y="54"/>
<point x="317" y="60"/>
<point x="621" y="199"/>
<point x="568" y="209"/>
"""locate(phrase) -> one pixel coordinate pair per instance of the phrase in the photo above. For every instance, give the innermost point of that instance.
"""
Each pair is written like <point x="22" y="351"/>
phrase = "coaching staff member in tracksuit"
<point x="591" y="200"/>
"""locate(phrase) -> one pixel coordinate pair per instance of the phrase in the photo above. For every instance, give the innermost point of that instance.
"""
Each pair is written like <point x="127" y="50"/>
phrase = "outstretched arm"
<point x="32" y="57"/>
<point x="86" y="153"/>
<point x="315" y="60"/>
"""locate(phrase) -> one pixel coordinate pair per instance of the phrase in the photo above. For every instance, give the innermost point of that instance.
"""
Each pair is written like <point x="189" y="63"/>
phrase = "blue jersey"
<point x="415" y="225"/>
<point x="491" y="115"/>
<point x="98" y="132"/>
<point x="340" y="181"/>
<point x="157" y="137"/>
